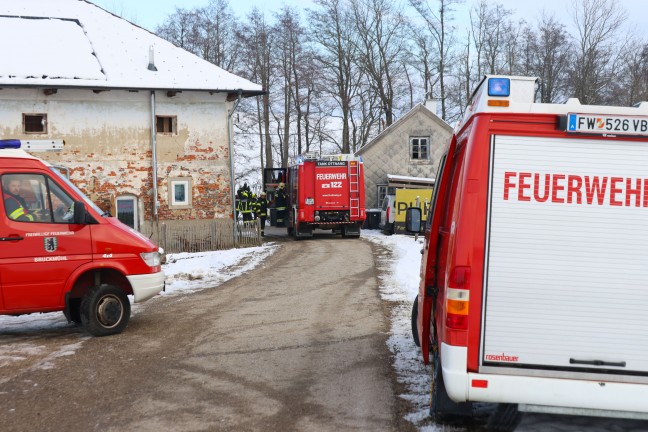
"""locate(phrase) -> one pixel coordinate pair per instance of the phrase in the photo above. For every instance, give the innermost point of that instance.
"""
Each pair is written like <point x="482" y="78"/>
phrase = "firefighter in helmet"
<point x="244" y="206"/>
<point x="280" y="205"/>
<point x="254" y="206"/>
<point x="15" y="205"/>
<point x="262" y="211"/>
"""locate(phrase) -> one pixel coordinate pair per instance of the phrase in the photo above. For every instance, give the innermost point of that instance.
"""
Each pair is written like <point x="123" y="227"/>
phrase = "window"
<point x="126" y="209"/>
<point x="35" y="198"/>
<point x="382" y="191"/>
<point x="166" y="125"/>
<point x="35" y="123"/>
<point x="419" y="148"/>
<point x="180" y="192"/>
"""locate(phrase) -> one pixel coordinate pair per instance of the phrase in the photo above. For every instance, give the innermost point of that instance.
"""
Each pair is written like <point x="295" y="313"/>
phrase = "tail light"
<point x="458" y="298"/>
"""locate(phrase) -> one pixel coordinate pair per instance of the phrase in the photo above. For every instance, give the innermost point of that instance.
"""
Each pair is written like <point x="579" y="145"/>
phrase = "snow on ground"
<point x="400" y="282"/>
<point x="193" y="271"/>
<point x="184" y="273"/>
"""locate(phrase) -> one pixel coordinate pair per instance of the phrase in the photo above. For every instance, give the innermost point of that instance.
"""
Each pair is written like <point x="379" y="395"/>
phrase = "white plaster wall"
<point x="108" y="143"/>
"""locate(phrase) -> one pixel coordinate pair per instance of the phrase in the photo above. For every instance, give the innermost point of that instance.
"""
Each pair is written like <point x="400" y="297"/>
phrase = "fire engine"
<point x="534" y="280"/>
<point x="325" y="192"/>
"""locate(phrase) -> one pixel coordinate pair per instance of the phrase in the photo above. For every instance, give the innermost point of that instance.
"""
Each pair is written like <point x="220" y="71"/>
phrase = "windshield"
<point x="81" y="194"/>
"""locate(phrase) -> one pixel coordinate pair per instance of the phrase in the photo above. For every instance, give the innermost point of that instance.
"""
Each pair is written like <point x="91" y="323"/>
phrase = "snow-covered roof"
<point x="74" y="43"/>
<point x="395" y="180"/>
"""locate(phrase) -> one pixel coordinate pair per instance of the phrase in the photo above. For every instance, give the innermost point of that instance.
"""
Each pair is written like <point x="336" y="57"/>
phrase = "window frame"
<point x="418" y="146"/>
<point x="382" y="190"/>
<point x="187" y="182"/>
<point x="43" y="122"/>
<point x="38" y="190"/>
<point x="169" y="122"/>
<point x="135" y="200"/>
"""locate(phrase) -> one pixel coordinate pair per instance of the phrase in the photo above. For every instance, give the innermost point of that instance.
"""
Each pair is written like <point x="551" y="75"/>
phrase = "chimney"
<point x="151" y="65"/>
<point x="430" y="103"/>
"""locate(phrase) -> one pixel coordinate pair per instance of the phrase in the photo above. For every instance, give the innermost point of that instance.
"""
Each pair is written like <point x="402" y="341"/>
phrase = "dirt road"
<point x="298" y="344"/>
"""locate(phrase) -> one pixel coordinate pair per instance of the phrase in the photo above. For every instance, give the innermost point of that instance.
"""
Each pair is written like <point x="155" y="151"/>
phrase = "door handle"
<point x="16" y="238"/>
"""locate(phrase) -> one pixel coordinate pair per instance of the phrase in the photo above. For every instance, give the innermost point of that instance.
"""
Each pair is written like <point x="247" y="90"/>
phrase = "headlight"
<point x="151" y="259"/>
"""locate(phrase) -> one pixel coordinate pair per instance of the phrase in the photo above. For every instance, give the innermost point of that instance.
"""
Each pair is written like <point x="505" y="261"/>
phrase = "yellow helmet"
<point x="281" y="185"/>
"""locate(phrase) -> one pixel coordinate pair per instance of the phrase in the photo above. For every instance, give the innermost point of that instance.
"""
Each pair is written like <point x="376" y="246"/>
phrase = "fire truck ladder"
<point x="354" y="188"/>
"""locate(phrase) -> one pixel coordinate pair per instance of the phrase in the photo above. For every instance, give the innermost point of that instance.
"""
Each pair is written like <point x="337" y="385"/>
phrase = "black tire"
<point x="74" y="310"/>
<point x="476" y="416"/>
<point x="415" y="335"/>
<point x="442" y="408"/>
<point x="105" y="310"/>
<point x="502" y="418"/>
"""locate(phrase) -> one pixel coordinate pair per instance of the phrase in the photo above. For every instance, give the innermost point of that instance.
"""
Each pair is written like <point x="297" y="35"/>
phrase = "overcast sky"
<point x="150" y="13"/>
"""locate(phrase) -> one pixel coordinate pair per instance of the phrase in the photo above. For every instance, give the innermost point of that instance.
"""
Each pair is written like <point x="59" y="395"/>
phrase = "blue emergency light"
<point x="499" y="87"/>
<point x="10" y="144"/>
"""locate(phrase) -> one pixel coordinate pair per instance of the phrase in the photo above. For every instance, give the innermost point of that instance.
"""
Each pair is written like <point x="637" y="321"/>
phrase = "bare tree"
<point x="381" y="30"/>
<point x="552" y="54"/>
<point x="439" y="28"/>
<point x="256" y="41"/>
<point x="180" y="29"/>
<point x="631" y="84"/>
<point x="598" y="24"/>
<point x="332" y="28"/>
<point x="218" y="28"/>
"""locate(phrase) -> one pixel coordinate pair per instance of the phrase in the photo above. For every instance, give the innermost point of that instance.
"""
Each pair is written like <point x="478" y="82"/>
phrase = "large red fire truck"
<point x="534" y="276"/>
<point x="325" y="192"/>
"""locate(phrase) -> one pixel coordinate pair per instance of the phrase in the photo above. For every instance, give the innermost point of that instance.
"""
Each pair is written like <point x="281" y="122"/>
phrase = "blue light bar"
<point x="499" y="87"/>
<point x="10" y="144"/>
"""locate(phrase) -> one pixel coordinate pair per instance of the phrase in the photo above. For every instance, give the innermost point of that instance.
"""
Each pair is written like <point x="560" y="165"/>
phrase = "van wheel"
<point x="105" y="310"/>
<point x="415" y="335"/>
<point x="442" y="408"/>
<point x="477" y="416"/>
<point x="75" y="310"/>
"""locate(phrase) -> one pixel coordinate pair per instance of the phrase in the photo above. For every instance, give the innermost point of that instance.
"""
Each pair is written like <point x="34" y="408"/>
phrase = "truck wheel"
<point x="415" y="335"/>
<point x="502" y="417"/>
<point x="105" y="310"/>
<point x="476" y="416"/>
<point x="442" y="408"/>
<point x="75" y="310"/>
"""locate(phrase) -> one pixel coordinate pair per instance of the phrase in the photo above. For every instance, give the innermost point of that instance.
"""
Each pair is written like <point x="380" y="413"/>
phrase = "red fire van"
<point x="60" y="252"/>
<point x="534" y="278"/>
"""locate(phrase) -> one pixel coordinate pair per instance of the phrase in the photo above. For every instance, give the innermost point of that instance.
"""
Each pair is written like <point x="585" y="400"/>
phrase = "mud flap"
<point x="352" y="230"/>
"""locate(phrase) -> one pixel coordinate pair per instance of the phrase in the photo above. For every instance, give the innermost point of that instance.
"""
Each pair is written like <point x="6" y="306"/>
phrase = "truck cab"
<point x="60" y="252"/>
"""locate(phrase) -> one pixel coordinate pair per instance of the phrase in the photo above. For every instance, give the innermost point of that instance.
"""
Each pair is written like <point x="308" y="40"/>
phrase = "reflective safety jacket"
<point x="15" y="209"/>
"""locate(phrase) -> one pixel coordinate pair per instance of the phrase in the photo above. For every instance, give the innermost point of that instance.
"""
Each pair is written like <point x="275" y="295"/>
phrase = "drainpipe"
<point x="231" y="154"/>
<point x="156" y="203"/>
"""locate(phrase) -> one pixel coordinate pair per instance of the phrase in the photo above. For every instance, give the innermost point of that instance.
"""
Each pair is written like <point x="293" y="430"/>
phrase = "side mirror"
<point x="79" y="212"/>
<point x="413" y="220"/>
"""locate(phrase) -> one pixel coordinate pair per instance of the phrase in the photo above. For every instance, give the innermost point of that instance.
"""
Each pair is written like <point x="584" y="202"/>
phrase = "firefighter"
<point x="244" y="206"/>
<point x="254" y="204"/>
<point x="15" y="205"/>
<point x="262" y="210"/>
<point x="280" y="205"/>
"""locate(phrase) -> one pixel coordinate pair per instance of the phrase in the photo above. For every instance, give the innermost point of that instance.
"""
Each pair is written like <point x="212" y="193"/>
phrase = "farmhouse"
<point x="145" y="124"/>
<point x="406" y="154"/>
